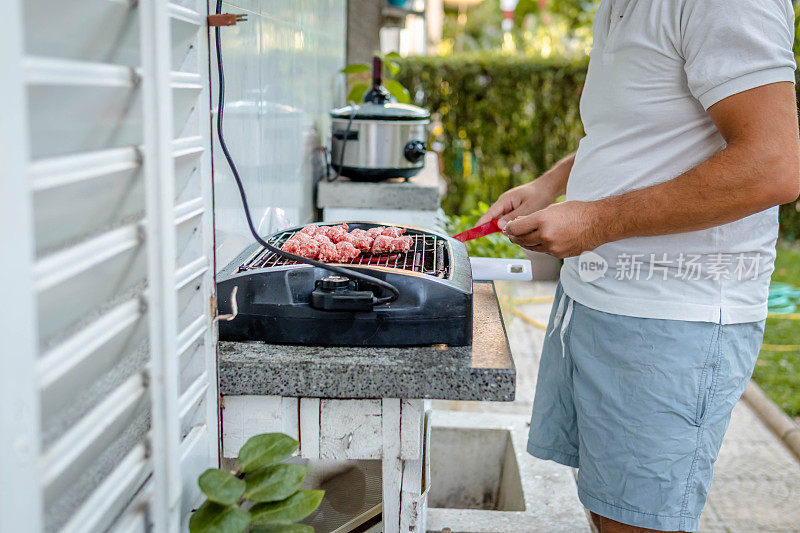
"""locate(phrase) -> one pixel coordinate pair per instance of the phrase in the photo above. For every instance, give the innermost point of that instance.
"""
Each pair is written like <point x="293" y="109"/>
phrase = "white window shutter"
<point x="109" y="382"/>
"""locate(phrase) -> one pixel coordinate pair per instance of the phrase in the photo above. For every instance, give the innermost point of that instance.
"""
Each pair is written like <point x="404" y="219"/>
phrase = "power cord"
<point x="371" y="280"/>
<point x="345" y="138"/>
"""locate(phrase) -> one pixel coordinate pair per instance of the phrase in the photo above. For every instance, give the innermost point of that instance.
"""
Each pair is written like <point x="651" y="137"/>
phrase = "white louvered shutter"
<point x="109" y="381"/>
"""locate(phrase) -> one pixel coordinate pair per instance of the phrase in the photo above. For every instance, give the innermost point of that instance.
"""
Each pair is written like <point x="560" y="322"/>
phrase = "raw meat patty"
<point x="321" y="238"/>
<point x="360" y="239"/>
<point x="382" y="244"/>
<point x="311" y="229"/>
<point x="385" y="244"/>
<point x="374" y="232"/>
<point x="291" y="246"/>
<point x="337" y="233"/>
<point x="347" y="252"/>
<point x="393" y="231"/>
<point x="328" y="252"/>
<point x="309" y="249"/>
<point x="402" y="244"/>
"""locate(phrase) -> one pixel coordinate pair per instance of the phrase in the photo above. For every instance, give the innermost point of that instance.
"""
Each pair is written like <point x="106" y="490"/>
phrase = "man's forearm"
<point x="732" y="184"/>
<point x="556" y="178"/>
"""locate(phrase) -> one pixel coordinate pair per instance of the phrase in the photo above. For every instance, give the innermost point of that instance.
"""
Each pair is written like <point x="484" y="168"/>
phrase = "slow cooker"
<point x="379" y="138"/>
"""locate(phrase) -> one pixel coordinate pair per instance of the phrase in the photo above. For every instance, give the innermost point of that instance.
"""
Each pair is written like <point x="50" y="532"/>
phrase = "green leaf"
<point x="290" y="510"/>
<point x="274" y="483"/>
<point x="356" y="94"/>
<point x="397" y="90"/>
<point x="221" y="486"/>
<point x="265" y="450"/>
<point x="289" y="528"/>
<point x="215" y="518"/>
<point x="392" y="55"/>
<point x="355" y="68"/>
<point x="393" y="67"/>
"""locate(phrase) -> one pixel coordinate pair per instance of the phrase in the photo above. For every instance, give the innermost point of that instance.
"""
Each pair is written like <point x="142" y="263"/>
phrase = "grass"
<point x="778" y="372"/>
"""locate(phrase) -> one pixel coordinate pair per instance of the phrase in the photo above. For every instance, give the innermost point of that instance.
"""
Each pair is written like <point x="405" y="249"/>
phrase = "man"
<point x="668" y="235"/>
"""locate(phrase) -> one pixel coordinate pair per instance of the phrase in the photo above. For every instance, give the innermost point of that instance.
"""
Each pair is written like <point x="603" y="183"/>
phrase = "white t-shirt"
<point x="655" y="67"/>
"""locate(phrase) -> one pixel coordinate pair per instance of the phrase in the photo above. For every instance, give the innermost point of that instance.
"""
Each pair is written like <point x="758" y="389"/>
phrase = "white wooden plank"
<point x="246" y="416"/>
<point x="411" y="421"/>
<point x="350" y="429"/>
<point x="412" y="509"/>
<point x="391" y="465"/>
<point x="20" y="508"/>
<point x="309" y="428"/>
<point x="290" y="417"/>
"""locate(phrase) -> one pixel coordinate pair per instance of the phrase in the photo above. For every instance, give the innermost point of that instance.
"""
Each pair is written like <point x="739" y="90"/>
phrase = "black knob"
<point x="332" y="283"/>
<point x="414" y="151"/>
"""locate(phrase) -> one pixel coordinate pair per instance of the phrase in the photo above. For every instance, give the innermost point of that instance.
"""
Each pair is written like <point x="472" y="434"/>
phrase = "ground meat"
<point x="334" y="244"/>
<point x="309" y="249"/>
<point x="402" y="244"/>
<point x="393" y="231"/>
<point x="311" y="229"/>
<point x="292" y="246"/>
<point x="385" y="244"/>
<point x="360" y="239"/>
<point x="337" y="233"/>
<point x="328" y="252"/>
<point x="382" y="244"/>
<point x="374" y="232"/>
<point x="347" y="252"/>
<point x="321" y="238"/>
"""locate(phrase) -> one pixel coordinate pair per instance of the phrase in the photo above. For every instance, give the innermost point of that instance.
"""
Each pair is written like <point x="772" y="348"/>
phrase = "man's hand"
<point x="561" y="230"/>
<point x="516" y="202"/>
<point x="531" y="197"/>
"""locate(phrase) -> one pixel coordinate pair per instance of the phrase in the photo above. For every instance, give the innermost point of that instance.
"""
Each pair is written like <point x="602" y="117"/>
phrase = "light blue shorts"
<point x="640" y="406"/>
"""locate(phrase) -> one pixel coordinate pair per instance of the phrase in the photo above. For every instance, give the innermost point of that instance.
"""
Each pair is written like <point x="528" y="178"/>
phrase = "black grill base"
<point x="273" y="306"/>
<point x="348" y="331"/>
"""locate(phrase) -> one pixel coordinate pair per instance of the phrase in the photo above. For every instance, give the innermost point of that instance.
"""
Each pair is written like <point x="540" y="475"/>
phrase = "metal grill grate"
<point x="428" y="255"/>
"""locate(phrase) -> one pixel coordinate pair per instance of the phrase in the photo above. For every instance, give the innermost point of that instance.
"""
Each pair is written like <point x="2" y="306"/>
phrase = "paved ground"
<point x="757" y="480"/>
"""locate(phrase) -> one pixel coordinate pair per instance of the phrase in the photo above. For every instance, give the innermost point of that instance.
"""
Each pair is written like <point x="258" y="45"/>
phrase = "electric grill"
<point x="285" y="302"/>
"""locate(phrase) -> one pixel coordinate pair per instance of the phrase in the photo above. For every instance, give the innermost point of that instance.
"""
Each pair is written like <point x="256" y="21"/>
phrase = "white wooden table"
<point x="392" y="430"/>
<point x="346" y="403"/>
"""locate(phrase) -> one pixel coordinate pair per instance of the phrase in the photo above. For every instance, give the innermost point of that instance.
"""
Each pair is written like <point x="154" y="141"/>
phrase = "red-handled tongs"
<point x="479" y="231"/>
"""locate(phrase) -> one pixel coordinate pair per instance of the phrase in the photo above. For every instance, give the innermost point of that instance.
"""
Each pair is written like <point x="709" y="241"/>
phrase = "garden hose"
<point x="782" y="299"/>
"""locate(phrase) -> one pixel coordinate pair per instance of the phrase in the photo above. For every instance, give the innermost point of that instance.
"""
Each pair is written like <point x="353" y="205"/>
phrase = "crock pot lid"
<point x="390" y="111"/>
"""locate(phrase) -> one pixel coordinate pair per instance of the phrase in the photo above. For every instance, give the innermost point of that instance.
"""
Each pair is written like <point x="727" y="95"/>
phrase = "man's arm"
<point x="531" y="197"/>
<point x="758" y="169"/>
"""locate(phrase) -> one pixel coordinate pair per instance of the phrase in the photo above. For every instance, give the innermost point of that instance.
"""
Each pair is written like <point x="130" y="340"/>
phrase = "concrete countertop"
<point x="420" y="192"/>
<point x="483" y="371"/>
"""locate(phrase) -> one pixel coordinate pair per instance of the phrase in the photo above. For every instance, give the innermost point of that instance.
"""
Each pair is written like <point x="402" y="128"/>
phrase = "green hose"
<point x="783" y="298"/>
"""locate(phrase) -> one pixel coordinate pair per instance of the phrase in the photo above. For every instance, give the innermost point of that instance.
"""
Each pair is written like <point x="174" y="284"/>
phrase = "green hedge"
<point x="510" y="117"/>
<point x="515" y="116"/>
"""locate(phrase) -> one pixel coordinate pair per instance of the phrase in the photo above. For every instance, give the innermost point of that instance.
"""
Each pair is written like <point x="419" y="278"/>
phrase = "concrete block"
<point x="549" y="496"/>
<point x="420" y="193"/>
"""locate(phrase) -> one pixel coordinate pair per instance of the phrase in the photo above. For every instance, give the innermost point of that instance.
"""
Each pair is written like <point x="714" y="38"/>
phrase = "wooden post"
<point x="391" y="465"/>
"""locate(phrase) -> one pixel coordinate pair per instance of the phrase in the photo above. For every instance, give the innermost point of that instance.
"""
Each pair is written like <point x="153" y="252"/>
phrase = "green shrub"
<point x="509" y="118"/>
<point x="513" y="117"/>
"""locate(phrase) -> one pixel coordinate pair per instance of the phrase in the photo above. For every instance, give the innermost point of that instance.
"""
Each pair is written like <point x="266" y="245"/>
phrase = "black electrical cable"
<point x="344" y="143"/>
<point x="394" y="293"/>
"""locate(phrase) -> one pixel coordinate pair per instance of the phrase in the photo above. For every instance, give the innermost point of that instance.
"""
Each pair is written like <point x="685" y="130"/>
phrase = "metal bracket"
<point x="225" y="19"/>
